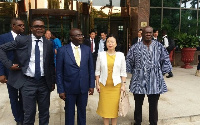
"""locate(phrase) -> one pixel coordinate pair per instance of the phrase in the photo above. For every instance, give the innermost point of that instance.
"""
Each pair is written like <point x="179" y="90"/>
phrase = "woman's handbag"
<point x="124" y="104"/>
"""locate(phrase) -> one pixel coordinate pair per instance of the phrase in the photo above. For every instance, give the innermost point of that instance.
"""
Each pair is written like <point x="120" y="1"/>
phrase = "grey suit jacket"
<point x="22" y="50"/>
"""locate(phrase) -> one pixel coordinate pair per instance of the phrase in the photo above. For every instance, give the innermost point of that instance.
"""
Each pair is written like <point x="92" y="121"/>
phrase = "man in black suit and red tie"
<point x="34" y="70"/>
<point x="93" y="43"/>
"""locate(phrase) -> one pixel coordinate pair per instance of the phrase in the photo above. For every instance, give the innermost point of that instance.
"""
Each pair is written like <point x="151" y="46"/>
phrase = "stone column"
<point x="139" y="15"/>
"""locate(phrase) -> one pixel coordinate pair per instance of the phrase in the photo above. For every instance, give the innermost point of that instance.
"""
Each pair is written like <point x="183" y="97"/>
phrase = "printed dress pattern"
<point x="147" y="66"/>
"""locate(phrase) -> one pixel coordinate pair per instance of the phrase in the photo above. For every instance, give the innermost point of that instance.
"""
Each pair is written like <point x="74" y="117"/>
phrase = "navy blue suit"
<point x="75" y="81"/>
<point x="14" y="94"/>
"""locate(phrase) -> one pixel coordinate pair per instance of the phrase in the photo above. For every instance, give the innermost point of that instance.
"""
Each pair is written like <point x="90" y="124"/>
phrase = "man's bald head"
<point x="147" y="33"/>
<point x="76" y="36"/>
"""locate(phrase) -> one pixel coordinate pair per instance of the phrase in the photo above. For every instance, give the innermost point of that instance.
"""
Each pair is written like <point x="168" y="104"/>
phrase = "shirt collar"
<point x="91" y="39"/>
<point x="103" y="40"/>
<point x="34" y="38"/>
<point x="73" y="46"/>
<point x="13" y="34"/>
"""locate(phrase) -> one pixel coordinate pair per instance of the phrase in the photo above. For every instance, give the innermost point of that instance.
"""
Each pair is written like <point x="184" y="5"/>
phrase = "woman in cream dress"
<point x="110" y="80"/>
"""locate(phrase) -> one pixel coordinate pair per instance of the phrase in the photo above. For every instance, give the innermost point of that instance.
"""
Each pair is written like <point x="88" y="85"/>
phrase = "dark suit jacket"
<point x="135" y="40"/>
<point x="88" y="43"/>
<point x="72" y="79"/>
<point x="4" y="38"/>
<point x="22" y="52"/>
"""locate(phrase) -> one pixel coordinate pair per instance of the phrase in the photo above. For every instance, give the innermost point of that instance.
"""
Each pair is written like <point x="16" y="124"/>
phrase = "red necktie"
<point x="92" y="45"/>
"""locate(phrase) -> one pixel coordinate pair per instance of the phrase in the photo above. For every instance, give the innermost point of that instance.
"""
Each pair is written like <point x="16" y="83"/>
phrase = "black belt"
<point x="32" y="78"/>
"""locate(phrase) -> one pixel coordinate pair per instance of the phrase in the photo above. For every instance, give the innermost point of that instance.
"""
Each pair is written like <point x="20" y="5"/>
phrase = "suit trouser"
<point x="80" y="100"/>
<point x="94" y="56"/>
<point x="153" y="108"/>
<point x="36" y="92"/>
<point x="16" y="103"/>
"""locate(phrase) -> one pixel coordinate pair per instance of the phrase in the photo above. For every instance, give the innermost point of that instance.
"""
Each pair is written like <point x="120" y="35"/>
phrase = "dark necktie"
<point x="92" y="45"/>
<point x="37" y="61"/>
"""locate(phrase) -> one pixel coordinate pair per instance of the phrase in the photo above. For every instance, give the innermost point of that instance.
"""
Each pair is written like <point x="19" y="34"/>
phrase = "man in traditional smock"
<point x="147" y="61"/>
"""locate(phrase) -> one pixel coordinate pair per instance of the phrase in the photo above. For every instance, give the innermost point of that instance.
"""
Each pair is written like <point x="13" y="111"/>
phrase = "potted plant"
<point x="187" y="44"/>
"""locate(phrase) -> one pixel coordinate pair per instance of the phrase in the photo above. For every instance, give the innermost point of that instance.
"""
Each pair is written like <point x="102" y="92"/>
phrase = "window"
<point x="120" y="28"/>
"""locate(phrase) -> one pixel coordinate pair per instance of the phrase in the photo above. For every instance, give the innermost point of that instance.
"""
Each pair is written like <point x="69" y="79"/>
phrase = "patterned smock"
<point x="147" y="66"/>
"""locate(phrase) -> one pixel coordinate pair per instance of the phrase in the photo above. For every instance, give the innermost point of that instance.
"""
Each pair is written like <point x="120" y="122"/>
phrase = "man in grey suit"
<point x="33" y="67"/>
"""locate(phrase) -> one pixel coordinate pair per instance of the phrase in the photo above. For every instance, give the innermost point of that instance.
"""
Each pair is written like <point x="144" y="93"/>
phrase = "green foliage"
<point x="98" y="14"/>
<point x="183" y="40"/>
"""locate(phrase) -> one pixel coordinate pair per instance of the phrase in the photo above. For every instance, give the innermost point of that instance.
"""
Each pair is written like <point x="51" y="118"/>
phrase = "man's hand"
<point x="15" y="67"/>
<point x="62" y="96"/>
<point x="91" y="91"/>
<point x="3" y="79"/>
<point x="53" y="87"/>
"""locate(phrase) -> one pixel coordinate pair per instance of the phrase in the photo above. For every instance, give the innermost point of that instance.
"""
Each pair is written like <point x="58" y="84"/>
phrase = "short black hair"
<point x="92" y="31"/>
<point x="14" y="20"/>
<point x="36" y="19"/>
<point x="154" y="30"/>
<point x="104" y="32"/>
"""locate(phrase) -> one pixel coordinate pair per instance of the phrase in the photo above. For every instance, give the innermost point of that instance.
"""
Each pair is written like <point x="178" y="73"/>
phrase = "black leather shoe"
<point x="19" y="123"/>
<point x="170" y="75"/>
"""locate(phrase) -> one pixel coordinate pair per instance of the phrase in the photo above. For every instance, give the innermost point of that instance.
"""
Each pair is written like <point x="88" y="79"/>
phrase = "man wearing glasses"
<point x="75" y="77"/>
<point x="17" y="28"/>
<point x="34" y="70"/>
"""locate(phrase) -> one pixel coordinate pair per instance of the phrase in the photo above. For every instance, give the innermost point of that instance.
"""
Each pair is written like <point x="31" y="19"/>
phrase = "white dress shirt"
<point x="139" y="39"/>
<point x="93" y="45"/>
<point x="101" y="45"/>
<point x="155" y="38"/>
<point x="31" y="67"/>
<point x="165" y="41"/>
<point x="73" y="49"/>
<point x="13" y="34"/>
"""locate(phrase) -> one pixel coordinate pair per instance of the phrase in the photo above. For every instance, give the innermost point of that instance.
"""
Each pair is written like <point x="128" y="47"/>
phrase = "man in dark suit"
<point x="139" y="38"/>
<point x="93" y="43"/>
<point x="155" y="35"/>
<point x="75" y="77"/>
<point x="33" y="67"/>
<point x="17" y="28"/>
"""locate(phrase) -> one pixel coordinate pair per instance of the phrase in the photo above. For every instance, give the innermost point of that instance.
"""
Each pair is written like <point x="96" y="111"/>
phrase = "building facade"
<point x="122" y="18"/>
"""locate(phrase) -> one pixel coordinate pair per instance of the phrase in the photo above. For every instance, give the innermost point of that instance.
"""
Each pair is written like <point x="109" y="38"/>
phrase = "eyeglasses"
<point x="38" y="26"/>
<point x="78" y="35"/>
<point x="20" y="25"/>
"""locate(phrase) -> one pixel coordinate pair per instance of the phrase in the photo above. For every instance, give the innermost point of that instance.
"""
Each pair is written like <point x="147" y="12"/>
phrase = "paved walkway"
<point x="179" y="106"/>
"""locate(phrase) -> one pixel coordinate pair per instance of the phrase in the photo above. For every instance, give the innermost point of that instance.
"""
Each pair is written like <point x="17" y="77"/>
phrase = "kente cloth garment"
<point x="147" y="66"/>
